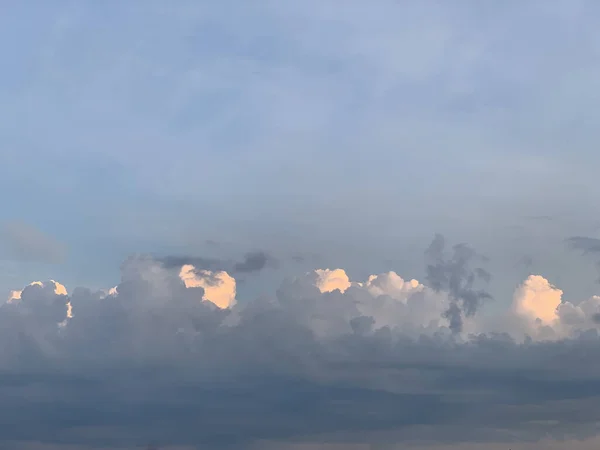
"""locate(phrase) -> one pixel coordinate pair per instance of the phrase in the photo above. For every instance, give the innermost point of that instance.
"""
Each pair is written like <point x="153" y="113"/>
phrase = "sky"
<point x="300" y="225"/>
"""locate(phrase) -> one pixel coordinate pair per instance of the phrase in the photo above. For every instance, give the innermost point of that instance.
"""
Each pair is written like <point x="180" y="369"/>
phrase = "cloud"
<point x="156" y="358"/>
<point x="252" y="262"/>
<point x="454" y="275"/>
<point x="585" y="244"/>
<point x="330" y="280"/>
<point x="55" y="286"/>
<point x="170" y="356"/>
<point x="538" y="299"/>
<point x="24" y="242"/>
<point x="219" y="288"/>
<point x="546" y="444"/>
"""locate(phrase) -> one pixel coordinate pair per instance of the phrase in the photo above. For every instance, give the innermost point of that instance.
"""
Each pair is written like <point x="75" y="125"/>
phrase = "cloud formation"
<point x="254" y="261"/>
<point x="219" y="288"/>
<point x="537" y="299"/>
<point x="453" y="274"/>
<point x="170" y="355"/>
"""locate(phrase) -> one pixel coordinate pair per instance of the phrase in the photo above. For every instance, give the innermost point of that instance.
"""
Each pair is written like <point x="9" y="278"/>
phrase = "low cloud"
<point x="170" y="355"/>
<point x="538" y="299"/>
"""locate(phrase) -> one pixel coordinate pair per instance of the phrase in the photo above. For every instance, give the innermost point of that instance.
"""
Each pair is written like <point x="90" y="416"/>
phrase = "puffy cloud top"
<point x="325" y="301"/>
<point x="330" y="280"/>
<point x="536" y="298"/>
<point x="392" y="284"/>
<point x="55" y="286"/>
<point x="219" y="287"/>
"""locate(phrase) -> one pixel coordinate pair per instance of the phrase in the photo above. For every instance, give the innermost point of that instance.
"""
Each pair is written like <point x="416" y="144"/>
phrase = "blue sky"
<point x="352" y="131"/>
<point x="142" y="127"/>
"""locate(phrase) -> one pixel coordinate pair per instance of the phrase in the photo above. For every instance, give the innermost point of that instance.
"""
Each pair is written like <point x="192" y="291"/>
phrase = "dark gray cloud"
<point x="377" y="364"/>
<point x="587" y="245"/>
<point x="487" y="385"/>
<point x="453" y="273"/>
<point x="254" y="261"/>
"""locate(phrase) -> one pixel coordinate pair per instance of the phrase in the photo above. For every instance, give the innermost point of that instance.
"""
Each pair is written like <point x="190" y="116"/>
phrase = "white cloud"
<point x="330" y="280"/>
<point x="13" y="296"/>
<point x="537" y="299"/>
<point x="393" y="285"/>
<point x="219" y="287"/>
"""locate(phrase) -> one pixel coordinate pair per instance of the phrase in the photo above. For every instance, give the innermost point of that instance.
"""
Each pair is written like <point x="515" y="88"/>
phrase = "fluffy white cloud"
<point x="538" y="300"/>
<point x="392" y="284"/>
<point x="330" y="280"/>
<point x="219" y="287"/>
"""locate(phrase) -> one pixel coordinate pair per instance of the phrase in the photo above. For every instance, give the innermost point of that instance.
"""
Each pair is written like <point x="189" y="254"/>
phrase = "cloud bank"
<point x="170" y="355"/>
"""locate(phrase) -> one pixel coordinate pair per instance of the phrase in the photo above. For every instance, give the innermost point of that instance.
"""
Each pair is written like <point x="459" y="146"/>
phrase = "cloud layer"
<point x="170" y="354"/>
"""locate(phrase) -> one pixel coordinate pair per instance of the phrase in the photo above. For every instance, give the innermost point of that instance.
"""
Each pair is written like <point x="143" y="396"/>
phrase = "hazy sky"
<point x="257" y="141"/>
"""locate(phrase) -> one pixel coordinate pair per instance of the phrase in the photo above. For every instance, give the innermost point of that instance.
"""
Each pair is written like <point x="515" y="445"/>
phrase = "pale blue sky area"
<point x="353" y="129"/>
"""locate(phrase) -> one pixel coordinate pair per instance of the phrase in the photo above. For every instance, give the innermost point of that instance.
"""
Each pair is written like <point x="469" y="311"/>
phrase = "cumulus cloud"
<point x="219" y="288"/>
<point x="330" y="280"/>
<point x="24" y="242"/>
<point x="54" y="286"/>
<point x="537" y="299"/>
<point x="170" y="355"/>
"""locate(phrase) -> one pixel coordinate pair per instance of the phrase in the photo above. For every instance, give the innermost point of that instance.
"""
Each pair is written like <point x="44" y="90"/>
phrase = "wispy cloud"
<point x="23" y="242"/>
